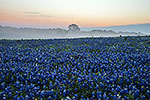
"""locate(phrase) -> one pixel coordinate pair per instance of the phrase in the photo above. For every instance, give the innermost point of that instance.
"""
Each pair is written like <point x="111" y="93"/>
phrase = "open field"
<point x="113" y="68"/>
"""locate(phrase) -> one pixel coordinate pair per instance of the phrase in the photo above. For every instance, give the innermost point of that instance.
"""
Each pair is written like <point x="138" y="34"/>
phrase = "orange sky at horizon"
<point x="88" y="17"/>
<point x="31" y="20"/>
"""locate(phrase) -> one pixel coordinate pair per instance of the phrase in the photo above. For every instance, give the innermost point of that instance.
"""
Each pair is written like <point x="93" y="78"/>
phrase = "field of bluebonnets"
<point x="115" y="68"/>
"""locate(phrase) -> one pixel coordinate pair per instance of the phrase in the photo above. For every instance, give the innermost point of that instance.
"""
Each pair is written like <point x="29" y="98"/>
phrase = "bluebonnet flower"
<point x="88" y="69"/>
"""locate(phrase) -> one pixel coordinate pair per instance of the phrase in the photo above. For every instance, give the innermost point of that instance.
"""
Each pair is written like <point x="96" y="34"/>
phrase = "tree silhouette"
<point x="74" y="28"/>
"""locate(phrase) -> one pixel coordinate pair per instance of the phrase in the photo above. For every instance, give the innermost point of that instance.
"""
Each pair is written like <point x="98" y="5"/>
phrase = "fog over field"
<point x="37" y="33"/>
<point x="143" y="28"/>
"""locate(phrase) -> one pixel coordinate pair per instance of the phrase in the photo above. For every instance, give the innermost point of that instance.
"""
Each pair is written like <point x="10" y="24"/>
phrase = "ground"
<point x="86" y="68"/>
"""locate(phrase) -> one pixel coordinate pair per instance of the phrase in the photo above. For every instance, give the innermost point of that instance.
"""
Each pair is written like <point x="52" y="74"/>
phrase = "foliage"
<point x="73" y="28"/>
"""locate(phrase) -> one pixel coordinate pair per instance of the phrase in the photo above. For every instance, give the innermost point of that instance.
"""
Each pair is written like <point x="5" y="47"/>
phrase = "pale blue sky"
<point x="83" y="12"/>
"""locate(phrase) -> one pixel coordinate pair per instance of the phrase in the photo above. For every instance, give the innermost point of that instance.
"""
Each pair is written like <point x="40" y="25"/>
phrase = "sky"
<point x="85" y="13"/>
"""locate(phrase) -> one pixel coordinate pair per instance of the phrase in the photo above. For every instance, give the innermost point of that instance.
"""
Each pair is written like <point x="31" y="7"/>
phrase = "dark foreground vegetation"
<point x="91" y="68"/>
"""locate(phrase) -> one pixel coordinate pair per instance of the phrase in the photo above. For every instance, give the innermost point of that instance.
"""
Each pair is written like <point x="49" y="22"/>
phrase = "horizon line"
<point x="46" y="27"/>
